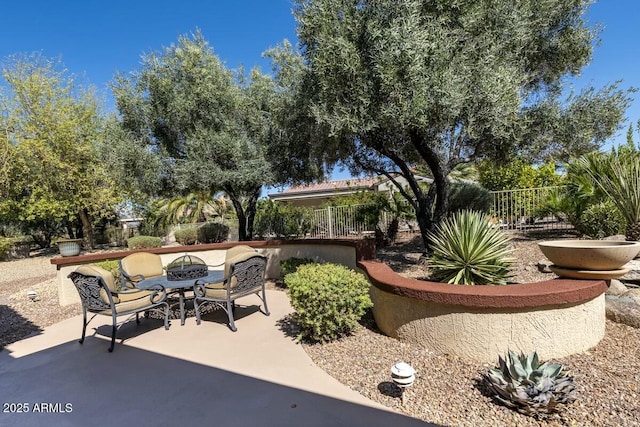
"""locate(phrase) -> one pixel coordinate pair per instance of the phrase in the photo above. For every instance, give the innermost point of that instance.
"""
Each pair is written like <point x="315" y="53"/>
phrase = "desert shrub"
<point x="464" y="195"/>
<point x="601" y="220"/>
<point x="144" y="242"/>
<point x="329" y="300"/>
<point x="468" y="250"/>
<point x="187" y="236"/>
<point x="111" y="266"/>
<point x="290" y="265"/>
<point x="6" y="244"/>
<point x="213" y="232"/>
<point x="282" y="220"/>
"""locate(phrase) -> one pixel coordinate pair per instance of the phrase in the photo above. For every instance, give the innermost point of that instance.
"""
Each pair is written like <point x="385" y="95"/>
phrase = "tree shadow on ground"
<point x="14" y="327"/>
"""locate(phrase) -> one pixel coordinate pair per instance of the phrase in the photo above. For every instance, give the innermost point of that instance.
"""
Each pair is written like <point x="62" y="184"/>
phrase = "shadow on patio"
<point x="189" y="375"/>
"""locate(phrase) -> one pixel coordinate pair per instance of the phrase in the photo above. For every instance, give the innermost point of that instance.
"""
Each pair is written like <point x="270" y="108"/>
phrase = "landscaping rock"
<point x="543" y="266"/>
<point x="616" y="287"/>
<point x="623" y="310"/>
<point x="634" y="271"/>
<point x="616" y="237"/>
<point x="633" y="294"/>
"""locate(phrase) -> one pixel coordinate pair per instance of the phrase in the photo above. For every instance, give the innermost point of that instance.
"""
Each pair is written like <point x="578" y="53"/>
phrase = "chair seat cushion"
<point x="130" y="303"/>
<point x="218" y="291"/>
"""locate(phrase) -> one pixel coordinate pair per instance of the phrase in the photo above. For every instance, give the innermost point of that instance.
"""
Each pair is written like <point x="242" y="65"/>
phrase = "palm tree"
<point x="197" y="206"/>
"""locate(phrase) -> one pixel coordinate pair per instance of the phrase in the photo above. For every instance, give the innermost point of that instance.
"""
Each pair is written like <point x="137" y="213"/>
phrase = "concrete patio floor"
<point x="188" y="375"/>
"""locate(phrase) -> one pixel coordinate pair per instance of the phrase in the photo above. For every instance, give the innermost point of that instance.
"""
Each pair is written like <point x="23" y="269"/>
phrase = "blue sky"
<point x="95" y="39"/>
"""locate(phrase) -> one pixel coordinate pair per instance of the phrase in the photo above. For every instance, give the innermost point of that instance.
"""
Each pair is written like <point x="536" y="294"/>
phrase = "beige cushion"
<point x="95" y="271"/>
<point x="218" y="290"/>
<point x="234" y="252"/>
<point x="107" y="277"/>
<point x="132" y="304"/>
<point x="142" y="263"/>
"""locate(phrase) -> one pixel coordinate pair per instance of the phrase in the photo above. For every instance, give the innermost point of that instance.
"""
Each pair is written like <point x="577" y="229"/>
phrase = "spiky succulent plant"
<point x="469" y="250"/>
<point x="536" y="389"/>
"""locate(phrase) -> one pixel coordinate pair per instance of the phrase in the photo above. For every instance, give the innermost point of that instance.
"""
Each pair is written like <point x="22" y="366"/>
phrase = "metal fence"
<point x="511" y="209"/>
<point x="520" y="210"/>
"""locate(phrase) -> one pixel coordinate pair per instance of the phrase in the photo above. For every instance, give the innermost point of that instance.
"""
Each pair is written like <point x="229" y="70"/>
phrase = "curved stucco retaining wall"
<point x="556" y="318"/>
<point x="345" y="252"/>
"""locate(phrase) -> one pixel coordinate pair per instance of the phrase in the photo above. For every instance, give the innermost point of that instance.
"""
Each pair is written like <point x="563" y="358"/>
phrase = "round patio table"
<point x="180" y="286"/>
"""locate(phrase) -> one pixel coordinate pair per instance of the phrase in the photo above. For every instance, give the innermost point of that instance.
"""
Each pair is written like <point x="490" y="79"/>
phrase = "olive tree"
<point x="204" y="126"/>
<point x="428" y="85"/>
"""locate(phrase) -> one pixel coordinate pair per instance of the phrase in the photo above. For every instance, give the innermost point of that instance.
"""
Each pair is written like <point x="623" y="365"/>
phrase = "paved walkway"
<point x="189" y="375"/>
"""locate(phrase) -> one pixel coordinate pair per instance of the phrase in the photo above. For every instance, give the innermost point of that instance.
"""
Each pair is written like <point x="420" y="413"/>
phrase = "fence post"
<point x="330" y="222"/>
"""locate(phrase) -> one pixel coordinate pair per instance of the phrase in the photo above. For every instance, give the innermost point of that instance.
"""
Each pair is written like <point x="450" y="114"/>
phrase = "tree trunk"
<point x="432" y="208"/>
<point x="87" y="230"/>
<point x="246" y="216"/>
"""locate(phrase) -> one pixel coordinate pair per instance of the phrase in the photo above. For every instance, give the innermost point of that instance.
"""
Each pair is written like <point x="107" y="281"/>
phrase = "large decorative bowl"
<point x="69" y="247"/>
<point x="590" y="254"/>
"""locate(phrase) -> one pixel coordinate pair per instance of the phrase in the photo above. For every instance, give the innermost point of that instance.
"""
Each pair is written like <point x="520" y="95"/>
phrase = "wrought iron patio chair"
<point x="99" y="294"/>
<point x="243" y="275"/>
<point x="139" y="266"/>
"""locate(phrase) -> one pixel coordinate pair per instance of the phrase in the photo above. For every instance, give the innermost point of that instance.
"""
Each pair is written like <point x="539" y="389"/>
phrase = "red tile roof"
<point x="323" y="187"/>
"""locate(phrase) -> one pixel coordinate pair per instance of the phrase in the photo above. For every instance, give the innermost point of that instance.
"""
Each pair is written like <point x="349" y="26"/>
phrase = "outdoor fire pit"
<point x="186" y="267"/>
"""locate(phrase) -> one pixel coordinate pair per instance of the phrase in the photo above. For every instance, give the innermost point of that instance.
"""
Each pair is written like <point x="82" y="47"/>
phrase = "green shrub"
<point x="329" y="300"/>
<point x="144" y="242"/>
<point x="6" y="244"/>
<point x="601" y="220"/>
<point x="187" y="236"/>
<point x="112" y="266"/>
<point x="213" y="232"/>
<point x="469" y="196"/>
<point x="290" y="265"/>
<point x="282" y="220"/>
<point x="468" y="250"/>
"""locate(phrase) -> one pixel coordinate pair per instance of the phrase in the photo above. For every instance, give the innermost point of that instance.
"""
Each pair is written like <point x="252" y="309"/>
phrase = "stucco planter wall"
<point x="556" y="318"/>
<point x="345" y="252"/>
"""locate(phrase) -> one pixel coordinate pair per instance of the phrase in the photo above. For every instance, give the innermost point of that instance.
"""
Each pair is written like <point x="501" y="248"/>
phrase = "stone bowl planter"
<point x="69" y="247"/>
<point x="590" y="254"/>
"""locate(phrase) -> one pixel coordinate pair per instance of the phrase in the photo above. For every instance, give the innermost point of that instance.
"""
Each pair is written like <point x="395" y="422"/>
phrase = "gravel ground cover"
<point x="447" y="390"/>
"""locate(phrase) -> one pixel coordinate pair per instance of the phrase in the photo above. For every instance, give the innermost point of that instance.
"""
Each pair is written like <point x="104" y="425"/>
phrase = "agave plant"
<point x="523" y="383"/>
<point x="469" y="250"/>
<point x="617" y="175"/>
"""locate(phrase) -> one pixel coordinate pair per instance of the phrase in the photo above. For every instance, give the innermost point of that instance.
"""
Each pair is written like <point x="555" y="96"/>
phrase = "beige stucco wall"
<point x="481" y="335"/>
<point x="339" y="254"/>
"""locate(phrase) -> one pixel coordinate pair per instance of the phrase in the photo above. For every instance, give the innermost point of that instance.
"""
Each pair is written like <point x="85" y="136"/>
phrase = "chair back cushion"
<point x="89" y="296"/>
<point x="236" y="254"/>
<point x="241" y="258"/>
<point x="94" y="270"/>
<point x="142" y="263"/>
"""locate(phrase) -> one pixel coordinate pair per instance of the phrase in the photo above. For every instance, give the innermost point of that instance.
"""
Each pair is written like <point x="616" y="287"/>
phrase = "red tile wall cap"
<point x="524" y="295"/>
<point x="365" y="249"/>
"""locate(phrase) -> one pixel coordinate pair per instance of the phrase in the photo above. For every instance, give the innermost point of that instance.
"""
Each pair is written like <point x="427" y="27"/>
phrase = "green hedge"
<point x="329" y="300"/>
<point x="6" y="244"/>
<point x="290" y="265"/>
<point x="112" y="266"/>
<point x="187" y="236"/>
<point x="213" y="232"/>
<point x="144" y="242"/>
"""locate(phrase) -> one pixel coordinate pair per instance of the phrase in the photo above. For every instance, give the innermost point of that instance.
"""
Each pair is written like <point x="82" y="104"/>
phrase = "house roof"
<point x="328" y="188"/>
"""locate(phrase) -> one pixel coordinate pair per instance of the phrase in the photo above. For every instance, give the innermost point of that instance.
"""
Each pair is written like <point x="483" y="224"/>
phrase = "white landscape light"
<point x="32" y="295"/>
<point x="403" y="374"/>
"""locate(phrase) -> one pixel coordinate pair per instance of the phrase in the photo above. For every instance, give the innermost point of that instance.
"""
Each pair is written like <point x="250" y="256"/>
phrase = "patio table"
<point x="180" y="286"/>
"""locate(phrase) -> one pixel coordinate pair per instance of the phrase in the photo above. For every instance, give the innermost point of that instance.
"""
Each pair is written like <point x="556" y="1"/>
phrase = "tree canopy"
<point x="51" y="177"/>
<point x="204" y="127"/>
<point x="400" y="85"/>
